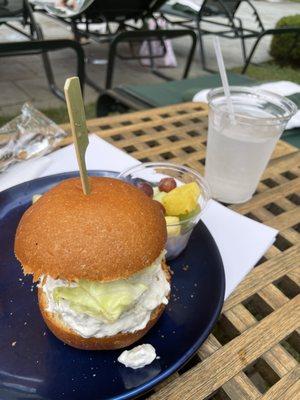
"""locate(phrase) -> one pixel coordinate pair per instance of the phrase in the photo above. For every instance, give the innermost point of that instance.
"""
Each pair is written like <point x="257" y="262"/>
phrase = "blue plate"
<point x="36" y="365"/>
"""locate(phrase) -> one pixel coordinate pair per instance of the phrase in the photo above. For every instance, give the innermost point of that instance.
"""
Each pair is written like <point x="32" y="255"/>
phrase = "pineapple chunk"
<point x="191" y="214"/>
<point x="156" y="191"/>
<point x="182" y="200"/>
<point x="158" y="195"/>
<point x="172" y="228"/>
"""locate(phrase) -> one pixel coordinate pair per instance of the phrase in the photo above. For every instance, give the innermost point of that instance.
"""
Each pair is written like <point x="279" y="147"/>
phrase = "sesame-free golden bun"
<point x="110" y="234"/>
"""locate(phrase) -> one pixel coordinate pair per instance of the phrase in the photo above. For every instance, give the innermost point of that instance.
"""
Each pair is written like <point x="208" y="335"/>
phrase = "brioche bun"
<point x="107" y="235"/>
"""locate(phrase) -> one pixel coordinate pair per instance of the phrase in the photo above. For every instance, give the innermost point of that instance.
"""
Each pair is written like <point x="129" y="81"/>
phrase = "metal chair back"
<point x="220" y="7"/>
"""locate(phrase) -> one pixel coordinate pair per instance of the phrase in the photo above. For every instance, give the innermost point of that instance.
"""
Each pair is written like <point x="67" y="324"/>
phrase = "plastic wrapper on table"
<point x="29" y="135"/>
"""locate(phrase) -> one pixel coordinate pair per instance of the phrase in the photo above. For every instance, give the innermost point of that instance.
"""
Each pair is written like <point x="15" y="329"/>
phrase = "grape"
<point x="145" y="187"/>
<point x="167" y="184"/>
<point x="161" y="206"/>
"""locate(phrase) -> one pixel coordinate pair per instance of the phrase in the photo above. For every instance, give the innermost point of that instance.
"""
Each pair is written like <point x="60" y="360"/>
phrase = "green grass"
<point x="58" y="115"/>
<point x="270" y="71"/>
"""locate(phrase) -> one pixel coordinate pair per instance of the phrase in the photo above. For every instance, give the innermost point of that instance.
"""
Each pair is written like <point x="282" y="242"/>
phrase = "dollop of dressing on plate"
<point x="138" y="357"/>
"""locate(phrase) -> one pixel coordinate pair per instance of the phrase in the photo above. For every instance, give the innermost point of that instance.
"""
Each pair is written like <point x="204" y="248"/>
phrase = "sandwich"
<point x="99" y="261"/>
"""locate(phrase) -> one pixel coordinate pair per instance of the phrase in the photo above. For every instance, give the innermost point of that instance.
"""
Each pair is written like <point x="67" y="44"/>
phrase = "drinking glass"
<point x="238" y="153"/>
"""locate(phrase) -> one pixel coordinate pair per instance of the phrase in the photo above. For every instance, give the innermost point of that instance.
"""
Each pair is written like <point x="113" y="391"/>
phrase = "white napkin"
<point x="99" y="155"/>
<point x="283" y="88"/>
<point x="23" y="171"/>
<point x="241" y="241"/>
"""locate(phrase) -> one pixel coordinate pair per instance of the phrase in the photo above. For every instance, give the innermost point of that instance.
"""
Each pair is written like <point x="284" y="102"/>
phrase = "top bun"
<point x="110" y="234"/>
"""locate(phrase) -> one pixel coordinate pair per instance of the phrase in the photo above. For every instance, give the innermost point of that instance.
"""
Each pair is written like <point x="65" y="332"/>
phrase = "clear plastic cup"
<point x="152" y="172"/>
<point x="237" y="154"/>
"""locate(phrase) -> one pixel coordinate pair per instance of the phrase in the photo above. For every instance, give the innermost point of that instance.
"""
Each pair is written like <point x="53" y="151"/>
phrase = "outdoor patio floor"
<point x="23" y="78"/>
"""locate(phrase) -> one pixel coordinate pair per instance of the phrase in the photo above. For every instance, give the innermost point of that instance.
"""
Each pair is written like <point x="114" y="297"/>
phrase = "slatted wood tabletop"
<point x="253" y="352"/>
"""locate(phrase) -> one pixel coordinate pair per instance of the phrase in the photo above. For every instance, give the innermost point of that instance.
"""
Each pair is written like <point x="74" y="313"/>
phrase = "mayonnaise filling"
<point x="134" y="319"/>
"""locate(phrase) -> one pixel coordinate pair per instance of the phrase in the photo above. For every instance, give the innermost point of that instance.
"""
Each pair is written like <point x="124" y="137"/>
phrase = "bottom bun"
<point x="70" y="337"/>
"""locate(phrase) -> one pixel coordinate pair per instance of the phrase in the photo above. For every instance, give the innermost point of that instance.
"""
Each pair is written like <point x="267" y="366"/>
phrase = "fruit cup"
<point x="182" y="192"/>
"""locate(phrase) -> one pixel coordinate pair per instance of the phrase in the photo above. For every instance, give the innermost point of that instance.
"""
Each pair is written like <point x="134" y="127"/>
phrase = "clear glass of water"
<point x="237" y="154"/>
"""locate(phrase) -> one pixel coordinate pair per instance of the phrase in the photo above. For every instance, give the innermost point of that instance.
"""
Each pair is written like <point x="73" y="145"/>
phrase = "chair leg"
<point x="48" y="68"/>
<point x="37" y="33"/>
<point x="249" y="58"/>
<point x="244" y="51"/>
<point x="111" y="62"/>
<point x="75" y="31"/>
<point x="201" y="48"/>
<point x="243" y="42"/>
<point x="276" y="31"/>
<point x="189" y="59"/>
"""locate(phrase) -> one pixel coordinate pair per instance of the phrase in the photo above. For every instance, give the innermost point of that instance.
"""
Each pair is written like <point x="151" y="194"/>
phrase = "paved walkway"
<point x="22" y="78"/>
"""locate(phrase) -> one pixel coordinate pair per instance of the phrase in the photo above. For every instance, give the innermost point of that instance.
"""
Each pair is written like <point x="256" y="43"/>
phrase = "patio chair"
<point x="10" y="49"/>
<point x="225" y="11"/>
<point x="139" y="97"/>
<point x="277" y="31"/>
<point x="121" y="14"/>
<point x="20" y="12"/>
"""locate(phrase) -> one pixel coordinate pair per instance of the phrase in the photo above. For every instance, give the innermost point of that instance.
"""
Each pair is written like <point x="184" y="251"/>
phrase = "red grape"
<point x="145" y="187"/>
<point x="167" y="184"/>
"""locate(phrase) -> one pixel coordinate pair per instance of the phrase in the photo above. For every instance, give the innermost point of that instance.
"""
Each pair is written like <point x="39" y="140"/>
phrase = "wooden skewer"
<point x="78" y="124"/>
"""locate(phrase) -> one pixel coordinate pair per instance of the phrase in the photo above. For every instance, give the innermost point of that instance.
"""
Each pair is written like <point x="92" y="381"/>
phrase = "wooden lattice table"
<point x="253" y="353"/>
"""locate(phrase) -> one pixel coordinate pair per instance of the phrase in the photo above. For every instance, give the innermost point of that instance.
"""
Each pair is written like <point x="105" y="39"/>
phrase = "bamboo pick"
<point x="79" y="129"/>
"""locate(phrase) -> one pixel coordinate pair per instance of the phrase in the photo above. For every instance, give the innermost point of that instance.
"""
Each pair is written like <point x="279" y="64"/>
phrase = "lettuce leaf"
<point x="108" y="299"/>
